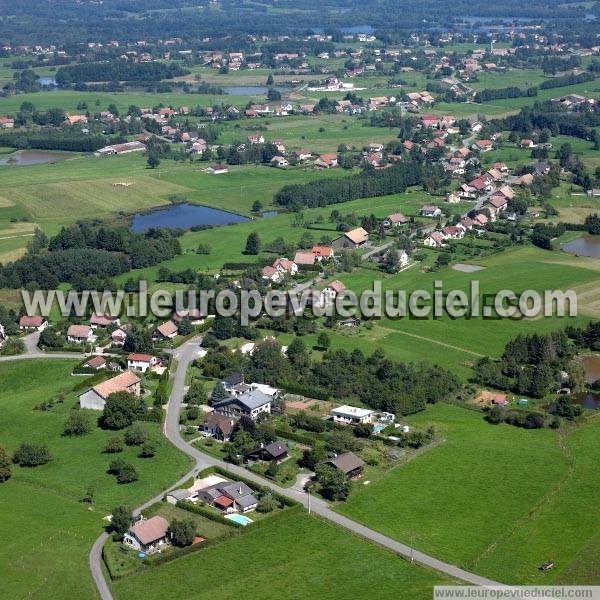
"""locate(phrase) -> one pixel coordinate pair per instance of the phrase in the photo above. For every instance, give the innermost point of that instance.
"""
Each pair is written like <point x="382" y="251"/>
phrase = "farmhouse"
<point x="323" y="252"/>
<point x="326" y="161"/>
<point x="352" y="239"/>
<point x="351" y="415"/>
<point x="250" y="404"/>
<point x="125" y="148"/>
<point x="147" y="535"/>
<point x="305" y="258"/>
<point x="95" y="399"/>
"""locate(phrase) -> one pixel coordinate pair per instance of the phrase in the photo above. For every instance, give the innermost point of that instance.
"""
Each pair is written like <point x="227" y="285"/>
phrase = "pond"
<point x="23" y="158"/>
<point x="250" y="90"/>
<point x="588" y="400"/>
<point x="184" y="216"/>
<point x="588" y="245"/>
<point x="269" y="213"/>
<point x="48" y="81"/>
<point x="591" y="366"/>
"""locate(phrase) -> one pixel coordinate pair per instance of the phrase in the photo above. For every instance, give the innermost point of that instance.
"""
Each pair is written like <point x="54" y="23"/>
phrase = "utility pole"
<point x="308" y="492"/>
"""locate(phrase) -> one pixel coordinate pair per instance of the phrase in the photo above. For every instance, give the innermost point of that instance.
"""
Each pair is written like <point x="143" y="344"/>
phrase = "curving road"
<point x="185" y="354"/>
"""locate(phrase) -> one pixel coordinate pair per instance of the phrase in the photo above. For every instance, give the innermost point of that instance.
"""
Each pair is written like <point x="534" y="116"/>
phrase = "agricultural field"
<point x="44" y="503"/>
<point x="289" y="557"/>
<point x="497" y="500"/>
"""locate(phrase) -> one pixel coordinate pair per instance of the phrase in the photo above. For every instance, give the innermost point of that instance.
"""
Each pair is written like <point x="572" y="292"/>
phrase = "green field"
<point x="292" y="556"/>
<point x="496" y="500"/>
<point x="48" y="530"/>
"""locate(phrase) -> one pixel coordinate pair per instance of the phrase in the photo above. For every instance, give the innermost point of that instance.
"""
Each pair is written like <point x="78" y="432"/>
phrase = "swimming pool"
<point x="240" y="519"/>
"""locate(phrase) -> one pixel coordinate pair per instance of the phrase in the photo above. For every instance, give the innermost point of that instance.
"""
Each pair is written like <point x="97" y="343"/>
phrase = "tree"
<point x="272" y="469"/>
<point x="136" y="435"/>
<point x="253" y="244"/>
<point x="114" y="445"/>
<point x="266" y="503"/>
<point x="121" y="519"/>
<point x="121" y="409"/>
<point x="334" y="484"/>
<point x="182" y="532"/>
<point x="270" y="80"/>
<point x="127" y="474"/>
<point x="363" y="430"/>
<point x="185" y="327"/>
<point x="257" y="206"/>
<point x="323" y="341"/>
<point x="148" y="450"/>
<point x="5" y="472"/>
<point x="32" y="455"/>
<point x="78" y="423"/>
<point x="219" y="393"/>
<point x="153" y="160"/>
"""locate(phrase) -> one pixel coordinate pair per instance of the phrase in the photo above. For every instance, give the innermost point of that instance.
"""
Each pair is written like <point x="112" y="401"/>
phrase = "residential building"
<point x="348" y="463"/>
<point x="219" y="426"/>
<point x="351" y="415"/>
<point x="95" y="398"/>
<point x="147" y="535"/>
<point x="250" y="404"/>
<point x="33" y="322"/>
<point x="80" y="334"/>
<point x="142" y="362"/>
<point x="352" y="239"/>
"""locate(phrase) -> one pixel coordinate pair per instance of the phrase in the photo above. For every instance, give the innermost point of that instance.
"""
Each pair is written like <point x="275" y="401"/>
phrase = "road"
<point x="32" y="350"/>
<point x="184" y="355"/>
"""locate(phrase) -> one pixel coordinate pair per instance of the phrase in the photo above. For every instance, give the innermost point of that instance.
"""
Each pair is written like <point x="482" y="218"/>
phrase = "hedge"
<point x="202" y="510"/>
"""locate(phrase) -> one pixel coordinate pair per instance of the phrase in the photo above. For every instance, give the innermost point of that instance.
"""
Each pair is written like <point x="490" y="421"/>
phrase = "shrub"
<point x="127" y="474"/>
<point x="182" y="533"/>
<point x="5" y="472"/>
<point x="78" y="423"/>
<point x="136" y="435"/>
<point x="148" y="450"/>
<point x="32" y="455"/>
<point x="114" y="445"/>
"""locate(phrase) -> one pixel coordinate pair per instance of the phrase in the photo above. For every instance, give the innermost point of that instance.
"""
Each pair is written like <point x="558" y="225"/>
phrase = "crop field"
<point x="498" y="500"/>
<point x="49" y="530"/>
<point x="295" y="561"/>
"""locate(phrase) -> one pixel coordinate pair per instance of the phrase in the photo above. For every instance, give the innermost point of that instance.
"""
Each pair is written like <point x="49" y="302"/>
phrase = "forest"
<point x="118" y="70"/>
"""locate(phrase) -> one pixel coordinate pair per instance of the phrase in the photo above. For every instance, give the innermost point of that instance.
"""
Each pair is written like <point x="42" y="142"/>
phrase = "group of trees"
<point x="367" y="184"/>
<point x="88" y="256"/>
<point x="380" y="383"/>
<point x="507" y="92"/>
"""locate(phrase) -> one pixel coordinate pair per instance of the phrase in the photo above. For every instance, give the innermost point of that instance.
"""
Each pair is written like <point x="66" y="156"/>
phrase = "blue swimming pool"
<point x="240" y="519"/>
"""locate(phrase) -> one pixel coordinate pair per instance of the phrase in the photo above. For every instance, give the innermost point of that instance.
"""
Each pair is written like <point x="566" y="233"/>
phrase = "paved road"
<point x="32" y="351"/>
<point x="185" y="354"/>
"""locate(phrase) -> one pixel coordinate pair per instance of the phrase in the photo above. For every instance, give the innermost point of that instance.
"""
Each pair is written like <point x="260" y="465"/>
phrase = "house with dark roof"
<point x="232" y="380"/>
<point x="229" y="496"/>
<point x="276" y="451"/>
<point x="348" y="463"/>
<point x="249" y="404"/>
<point x="219" y="426"/>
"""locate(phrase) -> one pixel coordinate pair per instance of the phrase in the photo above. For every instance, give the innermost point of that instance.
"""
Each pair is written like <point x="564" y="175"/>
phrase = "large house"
<point x="95" y="399"/>
<point x="351" y="415"/>
<point x="142" y="362"/>
<point x="147" y="535"/>
<point x="103" y="320"/>
<point x="352" y="239"/>
<point x="219" y="426"/>
<point x="33" y="322"/>
<point x="250" y="404"/>
<point x="229" y="496"/>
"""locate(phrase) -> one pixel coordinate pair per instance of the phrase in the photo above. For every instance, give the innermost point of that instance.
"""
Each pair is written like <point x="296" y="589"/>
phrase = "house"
<point x="279" y="162"/>
<point x="7" y="122"/>
<point x="275" y="451"/>
<point x="193" y="314"/>
<point x="331" y="291"/>
<point x="348" y="463"/>
<point x="482" y="145"/>
<point x="285" y="266"/>
<point x="500" y="400"/>
<point x="351" y="415"/>
<point x="527" y="143"/>
<point x="232" y="381"/>
<point x="103" y="320"/>
<point x="229" y="496"/>
<point x="118" y="336"/>
<point x="352" y="239"/>
<point x="33" y="322"/>
<point x="272" y="274"/>
<point x="250" y="404"/>
<point x="375" y="147"/>
<point x="79" y="334"/>
<point x="326" y="161"/>
<point x="147" y="535"/>
<point x="75" y="119"/>
<point x="95" y="363"/>
<point x="219" y="426"/>
<point x="323" y="252"/>
<point x="434" y="240"/>
<point x="302" y="155"/>
<point x="452" y="232"/>
<point x="166" y="331"/>
<point x="216" y="169"/>
<point x="142" y="362"/>
<point x="95" y="398"/>
<point x="174" y="496"/>
<point x="395" y="220"/>
<point x="305" y="258"/>
<point x="480" y="220"/>
<point x="430" y="211"/>
<point x="526" y="179"/>
<point x="256" y="138"/>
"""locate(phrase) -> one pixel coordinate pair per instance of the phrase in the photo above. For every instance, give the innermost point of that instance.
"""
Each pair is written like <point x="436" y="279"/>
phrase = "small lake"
<point x="270" y="213"/>
<point x="588" y="400"/>
<point x="184" y="216"/>
<point x="23" y="158"/>
<point x="588" y="245"/>
<point x="49" y="81"/>
<point x="250" y="90"/>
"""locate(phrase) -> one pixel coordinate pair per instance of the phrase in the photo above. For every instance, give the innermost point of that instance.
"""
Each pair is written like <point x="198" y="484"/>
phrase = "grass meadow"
<point x="497" y="500"/>
<point x="48" y="531"/>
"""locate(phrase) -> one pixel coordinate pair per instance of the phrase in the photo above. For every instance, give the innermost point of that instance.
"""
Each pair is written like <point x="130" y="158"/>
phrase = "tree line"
<point x="118" y="70"/>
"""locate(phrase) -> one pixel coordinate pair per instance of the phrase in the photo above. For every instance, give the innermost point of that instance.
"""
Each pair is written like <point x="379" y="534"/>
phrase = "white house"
<point x="79" y="334"/>
<point x="33" y="322"/>
<point x="95" y="399"/>
<point x="142" y="362"/>
<point x="147" y="535"/>
<point x="351" y="415"/>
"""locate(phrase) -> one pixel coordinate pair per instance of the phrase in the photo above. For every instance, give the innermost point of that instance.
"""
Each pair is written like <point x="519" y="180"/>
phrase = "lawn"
<point x="50" y="531"/>
<point x="291" y="556"/>
<point x="498" y="500"/>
